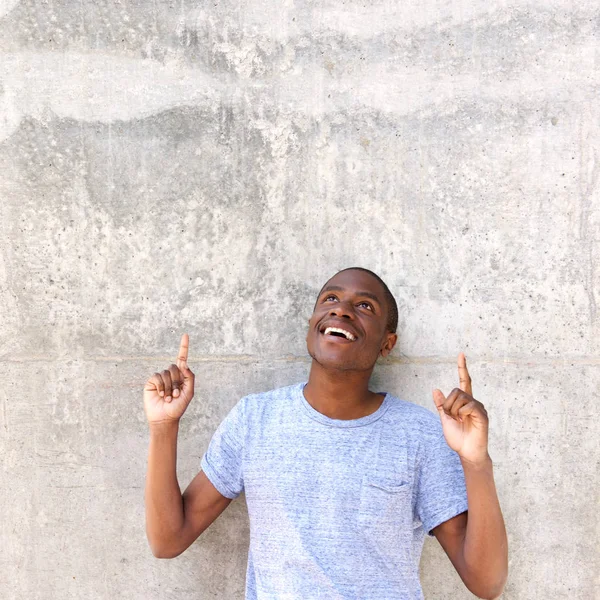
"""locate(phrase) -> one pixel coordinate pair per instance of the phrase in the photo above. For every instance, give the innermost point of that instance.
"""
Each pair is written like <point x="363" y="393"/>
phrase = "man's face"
<point x="352" y="301"/>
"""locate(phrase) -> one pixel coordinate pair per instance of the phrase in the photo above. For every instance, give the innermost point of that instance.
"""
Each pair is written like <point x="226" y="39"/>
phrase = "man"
<point x="341" y="483"/>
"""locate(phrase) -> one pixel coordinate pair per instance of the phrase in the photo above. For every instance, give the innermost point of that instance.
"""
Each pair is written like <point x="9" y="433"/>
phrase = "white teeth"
<point x="348" y="335"/>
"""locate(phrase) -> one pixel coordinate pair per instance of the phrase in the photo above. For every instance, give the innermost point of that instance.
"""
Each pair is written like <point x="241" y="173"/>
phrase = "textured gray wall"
<point x="205" y="167"/>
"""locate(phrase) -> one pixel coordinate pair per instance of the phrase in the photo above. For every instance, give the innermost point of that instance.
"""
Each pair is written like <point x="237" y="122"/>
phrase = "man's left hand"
<point x="464" y="419"/>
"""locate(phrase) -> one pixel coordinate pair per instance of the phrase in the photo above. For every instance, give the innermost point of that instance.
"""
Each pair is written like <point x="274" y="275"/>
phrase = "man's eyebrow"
<point x="337" y="288"/>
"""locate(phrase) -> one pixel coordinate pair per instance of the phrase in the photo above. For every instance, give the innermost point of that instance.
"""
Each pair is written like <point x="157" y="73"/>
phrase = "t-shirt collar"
<point x="314" y="414"/>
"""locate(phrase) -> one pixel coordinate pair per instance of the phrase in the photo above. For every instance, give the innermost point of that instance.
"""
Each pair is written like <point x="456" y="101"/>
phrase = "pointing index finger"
<point x="182" y="356"/>
<point x="463" y="375"/>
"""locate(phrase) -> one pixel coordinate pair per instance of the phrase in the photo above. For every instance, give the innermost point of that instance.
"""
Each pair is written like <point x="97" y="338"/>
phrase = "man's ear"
<point x="389" y="343"/>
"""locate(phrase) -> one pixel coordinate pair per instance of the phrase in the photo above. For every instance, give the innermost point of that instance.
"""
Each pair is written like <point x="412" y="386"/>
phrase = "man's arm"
<point x="475" y="541"/>
<point x="173" y="521"/>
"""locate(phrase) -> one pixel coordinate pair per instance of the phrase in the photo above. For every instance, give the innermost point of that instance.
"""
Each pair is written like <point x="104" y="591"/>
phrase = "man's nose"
<point x="342" y="309"/>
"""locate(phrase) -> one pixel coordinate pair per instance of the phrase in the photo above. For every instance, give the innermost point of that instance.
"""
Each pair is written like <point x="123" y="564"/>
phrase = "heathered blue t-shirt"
<point x="338" y="509"/>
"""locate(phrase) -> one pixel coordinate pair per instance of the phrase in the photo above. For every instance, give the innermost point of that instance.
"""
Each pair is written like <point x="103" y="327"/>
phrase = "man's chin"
<point x="337" y="363"/>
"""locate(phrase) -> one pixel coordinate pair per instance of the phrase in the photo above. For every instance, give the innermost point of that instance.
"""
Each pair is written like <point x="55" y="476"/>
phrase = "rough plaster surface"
<point x="205" y="168"/>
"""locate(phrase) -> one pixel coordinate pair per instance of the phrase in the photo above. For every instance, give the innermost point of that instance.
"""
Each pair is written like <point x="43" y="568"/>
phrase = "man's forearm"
<point x="164" y="503"/>
<point x="485" y="548"/>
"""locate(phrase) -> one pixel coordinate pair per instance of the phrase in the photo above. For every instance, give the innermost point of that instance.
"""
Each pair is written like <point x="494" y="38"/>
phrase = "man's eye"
<point x="366" y="304"/>
<point x="330" y="296"/>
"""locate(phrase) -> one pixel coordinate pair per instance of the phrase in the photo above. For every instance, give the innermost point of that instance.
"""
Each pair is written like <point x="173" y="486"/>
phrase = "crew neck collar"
<point x="314" y="414"/>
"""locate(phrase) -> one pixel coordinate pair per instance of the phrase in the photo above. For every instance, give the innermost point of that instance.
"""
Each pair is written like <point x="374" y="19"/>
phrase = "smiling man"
<point x="342" y="483"/>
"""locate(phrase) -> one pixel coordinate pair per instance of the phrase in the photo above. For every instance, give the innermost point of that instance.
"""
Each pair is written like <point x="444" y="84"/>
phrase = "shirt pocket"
<point x="385" y="513"/>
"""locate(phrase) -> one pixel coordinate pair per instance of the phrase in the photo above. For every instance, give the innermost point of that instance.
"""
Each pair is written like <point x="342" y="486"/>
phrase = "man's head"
<point x="354" y="321"/>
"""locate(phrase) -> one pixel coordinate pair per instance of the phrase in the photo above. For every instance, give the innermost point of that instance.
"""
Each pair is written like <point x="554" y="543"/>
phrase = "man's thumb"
<point x="439" y="399"/>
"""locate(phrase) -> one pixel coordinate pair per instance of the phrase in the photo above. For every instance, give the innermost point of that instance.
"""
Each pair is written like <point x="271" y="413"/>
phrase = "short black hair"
<point x="392" y="320"/>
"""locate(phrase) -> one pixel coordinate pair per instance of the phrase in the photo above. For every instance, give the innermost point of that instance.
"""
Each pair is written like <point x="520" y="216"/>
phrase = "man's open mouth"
<point x="339" y="332"/>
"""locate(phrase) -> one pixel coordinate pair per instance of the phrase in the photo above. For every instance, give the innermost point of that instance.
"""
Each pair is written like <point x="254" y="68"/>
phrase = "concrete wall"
<point x="205" y="167"/>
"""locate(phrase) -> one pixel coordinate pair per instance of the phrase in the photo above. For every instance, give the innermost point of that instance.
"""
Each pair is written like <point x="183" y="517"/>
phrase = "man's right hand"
<point x="167" y="394"/>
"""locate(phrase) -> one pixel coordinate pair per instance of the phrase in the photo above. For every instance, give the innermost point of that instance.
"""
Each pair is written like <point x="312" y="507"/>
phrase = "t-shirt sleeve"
<point x="442" y="493"/>
<point x="223" y="460"/>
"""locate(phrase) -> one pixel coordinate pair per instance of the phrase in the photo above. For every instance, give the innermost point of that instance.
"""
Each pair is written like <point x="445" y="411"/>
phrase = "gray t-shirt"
<point x="338" y="509"/>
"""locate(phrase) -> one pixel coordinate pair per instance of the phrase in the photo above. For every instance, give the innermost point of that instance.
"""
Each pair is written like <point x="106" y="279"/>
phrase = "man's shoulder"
<point x="413" y="417"/>
<point x="260" y="410"/>
<point x="401" y="408"/>
<point x="258" y="403"/>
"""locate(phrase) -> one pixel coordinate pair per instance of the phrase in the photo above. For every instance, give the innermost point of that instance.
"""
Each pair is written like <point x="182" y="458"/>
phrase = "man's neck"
<point x="341" y="394"/>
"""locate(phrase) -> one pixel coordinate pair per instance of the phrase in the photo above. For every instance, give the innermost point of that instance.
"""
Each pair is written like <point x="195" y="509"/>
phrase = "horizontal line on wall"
<point x="250" y="358"/>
